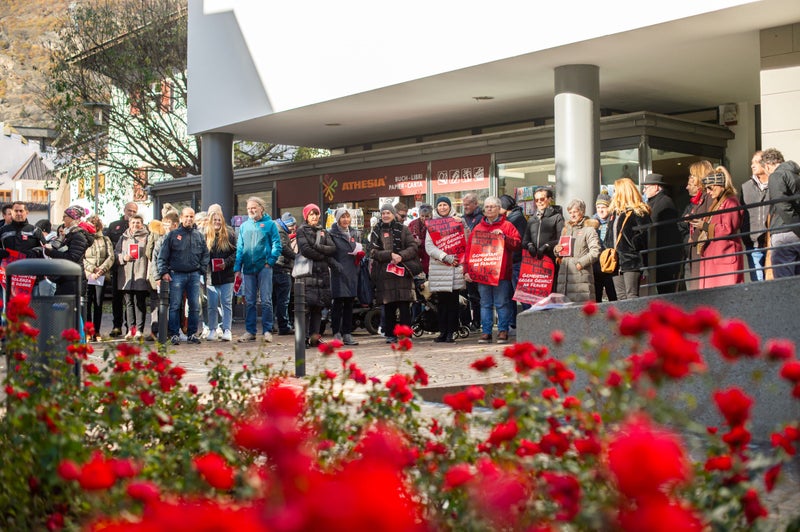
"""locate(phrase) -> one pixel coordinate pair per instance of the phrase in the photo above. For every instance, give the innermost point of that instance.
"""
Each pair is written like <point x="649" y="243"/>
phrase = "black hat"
<point x="654" y="179"/>
<point x="507" y="202"/>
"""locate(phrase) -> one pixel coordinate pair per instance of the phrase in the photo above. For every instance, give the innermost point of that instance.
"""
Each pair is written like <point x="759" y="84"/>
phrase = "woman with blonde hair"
<point x="221" y="242"/>
<point x="626" y="233"/>
<point x="698" y="204"/>
<point x="718" y="243"/>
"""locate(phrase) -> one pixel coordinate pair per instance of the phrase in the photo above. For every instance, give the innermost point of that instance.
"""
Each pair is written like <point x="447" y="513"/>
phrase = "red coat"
<point x="718" y="256"/>
<point x="512" y="241"/>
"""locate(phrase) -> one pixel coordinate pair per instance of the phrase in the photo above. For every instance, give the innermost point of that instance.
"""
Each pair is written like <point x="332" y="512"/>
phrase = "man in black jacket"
<point x="784" y="182"/>
<point x="114" y="232"/>
<point x="668" y="261"/>
<point x="19" y="236"/>
<point x="182" y="261"/>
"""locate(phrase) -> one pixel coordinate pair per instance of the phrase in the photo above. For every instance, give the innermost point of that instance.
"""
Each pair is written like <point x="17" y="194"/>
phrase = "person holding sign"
<point x="393" y="251"/>
<point x="132" y="279"/>
<point x="445" y="244"/>
<point x="221" y="242"/>
<point x="544" y="227"/>
<point x="582" y="249"/>
<point x="489" y="250"/>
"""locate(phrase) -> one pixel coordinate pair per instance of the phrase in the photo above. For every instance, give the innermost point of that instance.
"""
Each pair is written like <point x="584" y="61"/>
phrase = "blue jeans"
<point x="256" y="285"/>
<point x="786" y="250"/>
<point x="495" y="297"/>
<point x="189" y="282"/>
<point x="282" y="283"/>
<point x="220" y="295"/>
<point x="755" y="259"/>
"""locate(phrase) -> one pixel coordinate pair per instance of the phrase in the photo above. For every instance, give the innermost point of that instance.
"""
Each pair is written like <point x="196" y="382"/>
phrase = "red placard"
<point x="485" y="257"/>
<point x="535" y="279"/>
<point x="133" y="251"/>
<point x="217" y="265"/>
<point x="566" y="246"/>
<point x="22" y="284"/>
<point x="448" y="235"/>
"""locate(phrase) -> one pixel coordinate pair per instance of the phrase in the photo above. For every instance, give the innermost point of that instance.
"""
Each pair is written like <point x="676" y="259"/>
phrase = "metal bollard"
<point x="299" y="329"/>
<point x="163" y="312"/>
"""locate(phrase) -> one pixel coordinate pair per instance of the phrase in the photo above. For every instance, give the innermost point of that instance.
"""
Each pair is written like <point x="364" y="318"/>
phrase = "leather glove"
<point x="541" y="251"/>
<point x="532" y="250"/>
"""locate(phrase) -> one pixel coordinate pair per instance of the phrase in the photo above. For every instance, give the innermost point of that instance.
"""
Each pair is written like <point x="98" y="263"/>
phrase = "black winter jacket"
<point x="23" y="237"/>
<point x="517" y="219"/>
<point x="183" y="251"/>
<point x="318" y="285"/>
<point x="784" y="182"/>
<point x="542" y="234"/>
<point x="225" y="276"/>
<point x="632" y="241"/>
<point x="345" y="284"/>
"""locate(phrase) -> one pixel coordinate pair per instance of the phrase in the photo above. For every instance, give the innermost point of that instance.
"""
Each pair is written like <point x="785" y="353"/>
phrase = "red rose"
<point x="779" y="349"/>
<point x="557" y="336"/>
<point x="214" y="470"/>
<point x="590" y="308"/>
<point x="718" y="463"/>
<point x="97" y="473"/>
<point x="752" y="506"/>
<point x="791" y="371"/>
<point x="484" y="364"/>
<point x="503" y="432"/>
<point x="734" y="406"/>
<point x="457" y="475"/>
<point x="734" y="339"/>
<point x="660" y="514"/>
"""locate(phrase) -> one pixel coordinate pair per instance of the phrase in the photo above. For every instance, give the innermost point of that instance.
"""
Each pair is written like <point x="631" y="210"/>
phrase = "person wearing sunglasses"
<point x="719" y="244"/>
<point x="544" y="227"/>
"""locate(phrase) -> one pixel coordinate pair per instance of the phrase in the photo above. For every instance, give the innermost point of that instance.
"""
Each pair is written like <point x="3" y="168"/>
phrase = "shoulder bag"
<point x="609" y="258"/>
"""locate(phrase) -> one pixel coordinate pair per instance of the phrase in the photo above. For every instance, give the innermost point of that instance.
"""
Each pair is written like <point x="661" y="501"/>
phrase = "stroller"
<point x="426" y="317"/>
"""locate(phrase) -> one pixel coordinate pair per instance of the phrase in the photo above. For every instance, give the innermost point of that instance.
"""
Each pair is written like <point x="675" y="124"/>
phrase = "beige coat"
<point x="578" y="285"/>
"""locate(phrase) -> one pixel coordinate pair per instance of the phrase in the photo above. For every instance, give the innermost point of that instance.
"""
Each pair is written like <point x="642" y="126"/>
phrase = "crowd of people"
<point x="206" y="262"/>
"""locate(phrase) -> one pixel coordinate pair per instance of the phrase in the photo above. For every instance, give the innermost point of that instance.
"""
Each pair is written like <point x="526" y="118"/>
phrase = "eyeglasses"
<point x="402" y="215"/>
<point x="540" y="200"/>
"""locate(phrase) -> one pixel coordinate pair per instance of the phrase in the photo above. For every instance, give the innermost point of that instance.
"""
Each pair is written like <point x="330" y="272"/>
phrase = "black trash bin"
<point x="55" y="314"/>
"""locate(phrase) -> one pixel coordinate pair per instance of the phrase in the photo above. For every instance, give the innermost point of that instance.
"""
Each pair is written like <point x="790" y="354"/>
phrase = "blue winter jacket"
<point x="259" y="243"/>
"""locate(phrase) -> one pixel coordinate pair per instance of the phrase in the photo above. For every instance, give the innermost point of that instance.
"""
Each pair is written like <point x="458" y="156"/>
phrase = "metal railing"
<point x="649" y="255"/>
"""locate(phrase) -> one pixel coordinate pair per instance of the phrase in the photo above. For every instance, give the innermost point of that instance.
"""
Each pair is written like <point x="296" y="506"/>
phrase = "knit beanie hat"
<point x="76" y="212"/>
<point x="425" y="209"/>
<point x="388" y="207"/>
<point x="444" y="199"/>
<point x="603" y="199"/>
<point x="507" y="202"/>
<point x="288" y="220"/>
<point x="341" y="211"/>
<point x="308" y="208"/>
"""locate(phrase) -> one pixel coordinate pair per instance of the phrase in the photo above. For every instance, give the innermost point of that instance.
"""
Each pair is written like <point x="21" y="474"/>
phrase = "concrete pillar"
<point x="577" y="134"/>
<point x="216" y="165"/>
<point x="780" y="90"/>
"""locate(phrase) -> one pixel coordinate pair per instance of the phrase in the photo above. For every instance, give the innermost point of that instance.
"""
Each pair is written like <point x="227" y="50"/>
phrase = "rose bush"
<point x="130" y="447"/>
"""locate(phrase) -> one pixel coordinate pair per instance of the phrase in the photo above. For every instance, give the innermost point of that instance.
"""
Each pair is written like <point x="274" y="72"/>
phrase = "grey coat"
<point x="132" y="275"/>
<point x="442" y="277"/>
<point x="578" y="285"/>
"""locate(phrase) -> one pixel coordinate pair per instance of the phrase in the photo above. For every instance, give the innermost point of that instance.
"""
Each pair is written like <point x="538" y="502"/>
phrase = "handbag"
<point x="609" y="258"/>
<point x="302" y="266"/>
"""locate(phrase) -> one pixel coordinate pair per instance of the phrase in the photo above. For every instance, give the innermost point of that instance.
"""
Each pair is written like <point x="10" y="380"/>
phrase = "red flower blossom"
<point x="19" y="306"/>
<point x="398" y="385"/>
<point x="498" y="402"/>
<point x="557" y="336"/>
<point x="147" y="397"/>
<point x="660" y="514"/>
<point x="676" y="355"/>
<point x="734" y="339"/>
<point x="734" y="406"/>
<point x="402" y="331"/>
<point x="590" y="308"/>
<point x="88" y="329"/>
<point x="456" y="476"/>
<point x="124" y="467"/>
<point x="97" y="473"/>
<point x="771" y="477"/>
<point x="779" y="349"/>
<point x="484" y="364"/>
<point x="281" y="398"/>
<point x="20" y="356"/>
<point x="460" y="401"/>
<point x="630" y="325"/>
<point x="791" y="371"/>
<point x="71" y="335"/>
<point x="571" y="402"/>
<point x="565" y="490"/>
<point x="68" y="470"/>
<point x="344" y="356"/>
<point x="193" y="389"/>
<point x="143" y="491"/>
<point x="550" y="394"/>
<point x="752" y="507"/>
<point x="614" y="379"/>
<point x="420" y="376"/>
<point x="91" y="369"/>
<point x="498" y="494"/>
<point x="27" y="330"/>
<point x="328" y="374"/>
<point x="215" y="470"/>
<point x="403" y="344"/>
<point x="503" y="432"/>
<point x="704" y="319"/>
<point x="555" y="443"/>
<point x="784" y="439"/>
<point x="644" y="458"/>
<point x="590" y="445"/>
<point x="527" y="448"/>
<point x="737" y="438"/>
<point x="718" y="463"/>
<point x="357" y="374"/>
<point x="328" y="348"/>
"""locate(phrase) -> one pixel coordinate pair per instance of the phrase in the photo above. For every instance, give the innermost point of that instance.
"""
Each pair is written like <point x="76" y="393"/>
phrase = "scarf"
<point x="395" y="227"/>
<point x="697" y="198"/>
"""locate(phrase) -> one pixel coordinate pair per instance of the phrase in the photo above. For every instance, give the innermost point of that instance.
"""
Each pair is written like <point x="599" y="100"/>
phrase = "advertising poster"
<point x="485" y="257"/>
<point x="448" y="235"/>
<point x="535" y="279"/>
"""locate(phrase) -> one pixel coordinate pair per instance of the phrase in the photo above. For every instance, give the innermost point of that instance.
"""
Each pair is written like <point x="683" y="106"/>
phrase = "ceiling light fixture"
<point x="482" y="98"/>
<point x="333" y="124"/>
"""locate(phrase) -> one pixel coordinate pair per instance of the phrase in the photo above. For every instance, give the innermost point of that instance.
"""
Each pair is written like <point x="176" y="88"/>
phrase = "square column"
<point x="216" y="164"/>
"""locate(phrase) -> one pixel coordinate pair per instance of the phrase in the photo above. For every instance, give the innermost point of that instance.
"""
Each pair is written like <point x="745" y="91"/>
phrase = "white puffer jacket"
<point x="442" y="277"/>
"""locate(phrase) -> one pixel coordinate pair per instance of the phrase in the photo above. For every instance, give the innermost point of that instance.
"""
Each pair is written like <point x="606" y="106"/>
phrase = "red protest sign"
<point x="485" y="257"/>
<point x="448" y="235"/>
<point x="22" y="284"/>
<point x="535" y="279"/>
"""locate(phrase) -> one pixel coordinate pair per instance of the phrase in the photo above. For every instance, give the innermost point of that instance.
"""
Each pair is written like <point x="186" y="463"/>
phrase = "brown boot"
<point x="485" y="339"/>
<point x="502" y="337"/>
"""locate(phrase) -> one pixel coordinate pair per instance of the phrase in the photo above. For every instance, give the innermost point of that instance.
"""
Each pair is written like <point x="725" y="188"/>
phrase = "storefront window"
<point x="616" y="164"/>
<point x="455" y="178"/>
<point x="674" y="166"/>
<point x="241" y="205"/>
<point x="521" y="179"/>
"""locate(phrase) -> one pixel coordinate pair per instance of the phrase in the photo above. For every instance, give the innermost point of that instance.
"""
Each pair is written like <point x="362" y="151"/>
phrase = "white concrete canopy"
<point x="280" y="72"/>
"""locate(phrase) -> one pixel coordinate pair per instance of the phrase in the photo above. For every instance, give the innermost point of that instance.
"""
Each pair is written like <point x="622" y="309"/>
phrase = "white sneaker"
<point x="219" y="331"/>
<point x="182" y="336"/>
<point x="211" y="336"/>
<point x="226" y="336"/>
<point x="267" y="336"/>
<point x="206" y="332"/>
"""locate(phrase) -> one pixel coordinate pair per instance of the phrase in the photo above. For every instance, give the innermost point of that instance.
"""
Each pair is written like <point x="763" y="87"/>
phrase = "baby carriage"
<point x="426" y="319"/>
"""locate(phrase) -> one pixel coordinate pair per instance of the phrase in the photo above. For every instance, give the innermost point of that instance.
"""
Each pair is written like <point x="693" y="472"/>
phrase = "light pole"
<point x="98" y="110"/>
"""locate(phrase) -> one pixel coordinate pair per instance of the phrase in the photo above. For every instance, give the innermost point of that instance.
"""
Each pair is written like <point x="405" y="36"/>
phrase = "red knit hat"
<point x="308" y="208"/>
